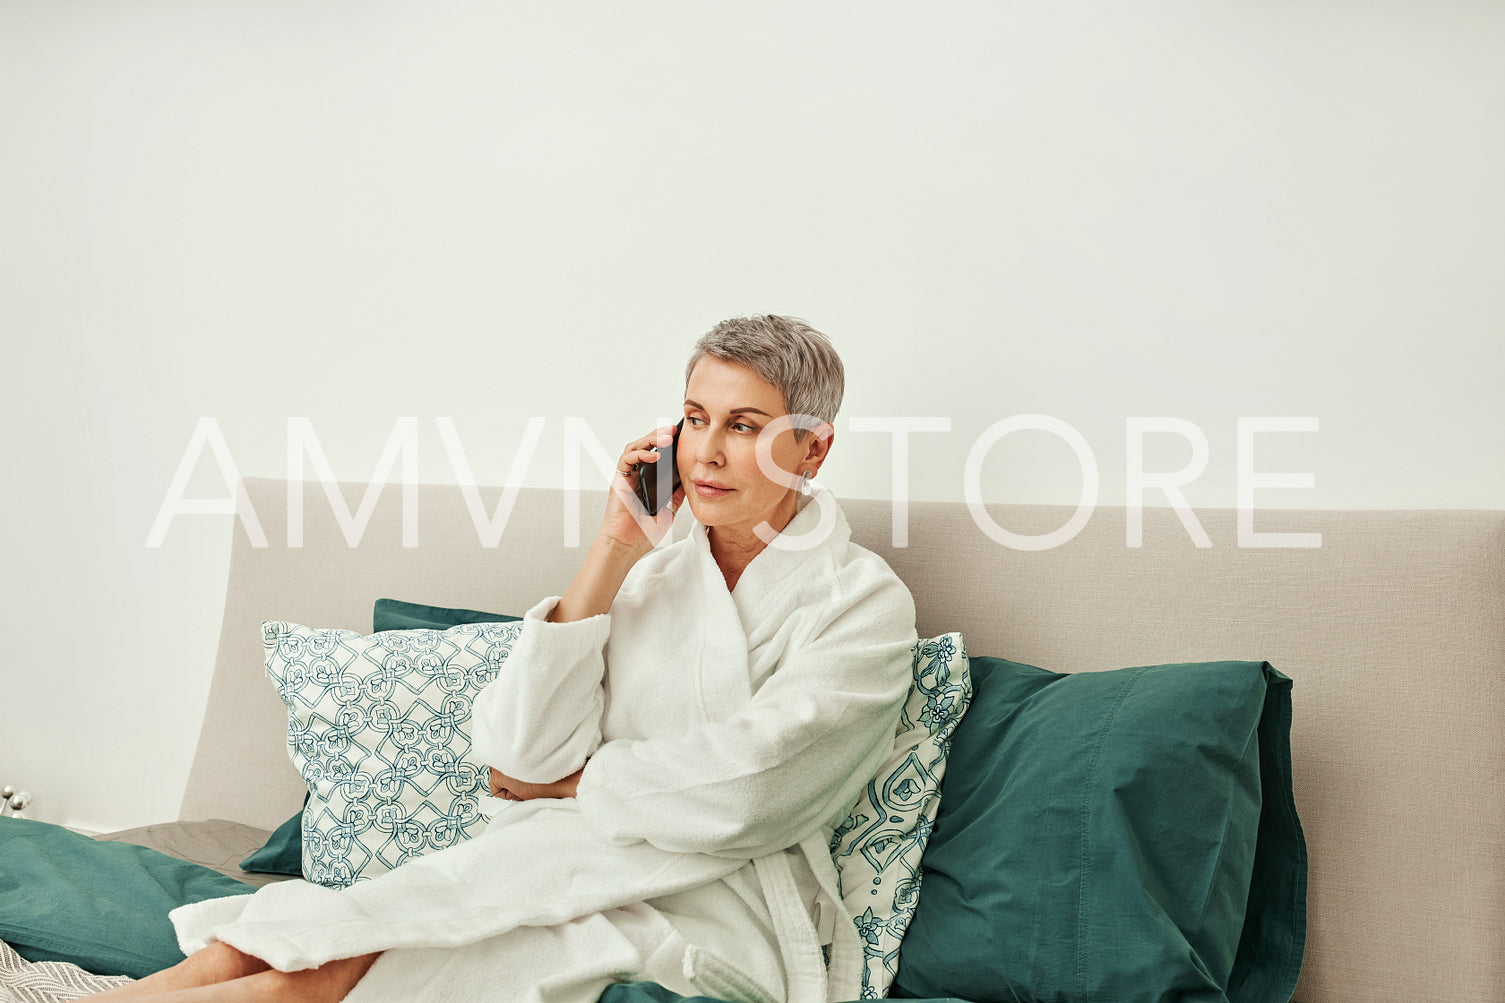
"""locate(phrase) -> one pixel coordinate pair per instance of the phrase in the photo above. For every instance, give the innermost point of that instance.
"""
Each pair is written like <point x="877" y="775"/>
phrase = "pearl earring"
<point x="805" y="481"/>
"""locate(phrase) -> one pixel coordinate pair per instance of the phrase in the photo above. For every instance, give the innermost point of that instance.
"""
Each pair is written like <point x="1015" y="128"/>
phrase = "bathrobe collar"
<point x="725" y="682"/>
<point x="818" y="530"/>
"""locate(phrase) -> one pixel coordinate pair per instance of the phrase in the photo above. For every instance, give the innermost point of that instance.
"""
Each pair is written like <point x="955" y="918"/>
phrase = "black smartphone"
<point x="653" y="479"/>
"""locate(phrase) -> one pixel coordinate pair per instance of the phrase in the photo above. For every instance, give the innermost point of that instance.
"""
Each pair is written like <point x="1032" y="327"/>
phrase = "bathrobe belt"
<point x="808" y="977"/>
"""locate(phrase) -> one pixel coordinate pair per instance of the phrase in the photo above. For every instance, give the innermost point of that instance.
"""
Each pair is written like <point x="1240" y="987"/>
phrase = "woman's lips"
<point x="710" y="489"/>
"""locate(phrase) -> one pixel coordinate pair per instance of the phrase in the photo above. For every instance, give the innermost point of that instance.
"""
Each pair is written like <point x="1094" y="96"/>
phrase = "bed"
<point x="1390" y="636"/>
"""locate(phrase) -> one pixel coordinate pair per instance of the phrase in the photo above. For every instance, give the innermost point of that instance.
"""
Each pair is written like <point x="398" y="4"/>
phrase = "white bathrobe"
<point x="724" y="736"/>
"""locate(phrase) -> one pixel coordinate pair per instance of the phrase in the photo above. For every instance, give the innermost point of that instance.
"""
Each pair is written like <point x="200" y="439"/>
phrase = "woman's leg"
<point x="216" y="963"/>
<point x="223" y="973"/>
<point x="329" y="983"/>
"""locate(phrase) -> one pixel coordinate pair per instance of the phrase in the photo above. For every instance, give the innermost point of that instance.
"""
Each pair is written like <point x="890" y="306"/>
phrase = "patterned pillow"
<point x="378" y="726"/>
<point x="877" y="849"/>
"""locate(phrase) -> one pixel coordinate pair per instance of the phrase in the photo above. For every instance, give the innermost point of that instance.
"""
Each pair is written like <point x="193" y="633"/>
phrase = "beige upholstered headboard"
<point x="1393" y="631"/>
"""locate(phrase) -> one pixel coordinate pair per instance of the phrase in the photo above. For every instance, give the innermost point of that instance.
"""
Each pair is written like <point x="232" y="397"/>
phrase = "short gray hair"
<point x="784" y="351"/>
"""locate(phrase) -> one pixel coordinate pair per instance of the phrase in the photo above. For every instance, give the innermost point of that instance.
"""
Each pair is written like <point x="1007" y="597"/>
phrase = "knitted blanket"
<point x="23" y="981"/>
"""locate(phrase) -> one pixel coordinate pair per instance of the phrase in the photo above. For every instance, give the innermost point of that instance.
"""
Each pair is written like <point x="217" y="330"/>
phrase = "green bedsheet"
<point x="100" y="905"/>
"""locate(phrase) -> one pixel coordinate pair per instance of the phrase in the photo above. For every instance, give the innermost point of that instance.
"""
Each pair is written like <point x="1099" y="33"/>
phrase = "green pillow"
<point x="393" y="614"/>
<point x="648" y="992"/>
<point x="1125" y="835"/>
<point x="283" y="853"/>
<point x="101" y="905"/>
<point x="652" y="992"/>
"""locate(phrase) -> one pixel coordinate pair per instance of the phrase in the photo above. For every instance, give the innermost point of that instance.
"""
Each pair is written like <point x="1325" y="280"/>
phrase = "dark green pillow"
<point x="652" y="992"/>
<point x="648" y="992"/>
<point x="283" y="853"/>
<point x="1126" y="835"/>
<point x="394" y="614"/>
<point x="101" y="905"/>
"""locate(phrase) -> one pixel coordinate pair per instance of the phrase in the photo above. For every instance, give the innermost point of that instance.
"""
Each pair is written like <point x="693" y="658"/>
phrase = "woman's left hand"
<point x="508" y="789"/>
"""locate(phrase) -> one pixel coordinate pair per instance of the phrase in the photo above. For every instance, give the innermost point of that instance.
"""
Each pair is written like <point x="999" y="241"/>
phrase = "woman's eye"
<point x="741" y="426"/>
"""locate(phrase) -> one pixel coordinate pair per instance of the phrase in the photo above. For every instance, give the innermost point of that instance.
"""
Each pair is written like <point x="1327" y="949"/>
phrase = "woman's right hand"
<point x="627" y="523"/>
<point x="627" y="533"/>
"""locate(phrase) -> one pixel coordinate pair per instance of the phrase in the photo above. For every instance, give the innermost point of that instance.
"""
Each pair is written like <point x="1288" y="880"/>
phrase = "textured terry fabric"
<point x="1098" y="837"/>
<point x="98" y="904"/>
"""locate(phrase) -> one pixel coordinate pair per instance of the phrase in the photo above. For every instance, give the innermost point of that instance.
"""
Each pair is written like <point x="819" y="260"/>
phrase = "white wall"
<point x="358" y="211"/>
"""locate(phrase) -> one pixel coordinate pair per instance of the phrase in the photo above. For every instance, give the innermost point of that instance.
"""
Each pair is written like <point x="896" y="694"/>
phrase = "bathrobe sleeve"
<point x="540" y="718"/>
<point x="795" y="757"/>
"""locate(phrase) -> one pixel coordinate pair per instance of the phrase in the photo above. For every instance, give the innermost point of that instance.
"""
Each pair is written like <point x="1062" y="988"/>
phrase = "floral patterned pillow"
<point x="379" y="728"/>
<point x="877" y="849"/>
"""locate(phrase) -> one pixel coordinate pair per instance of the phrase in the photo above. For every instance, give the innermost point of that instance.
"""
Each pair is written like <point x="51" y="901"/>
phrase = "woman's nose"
<point x="708" y="448"/>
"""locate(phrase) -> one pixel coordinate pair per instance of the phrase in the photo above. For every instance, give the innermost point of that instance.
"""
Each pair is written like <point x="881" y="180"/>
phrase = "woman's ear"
<point x="818" y="447"/>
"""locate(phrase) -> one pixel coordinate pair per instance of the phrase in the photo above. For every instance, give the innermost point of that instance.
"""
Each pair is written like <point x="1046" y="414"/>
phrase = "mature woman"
<point x="682" y="730"/>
